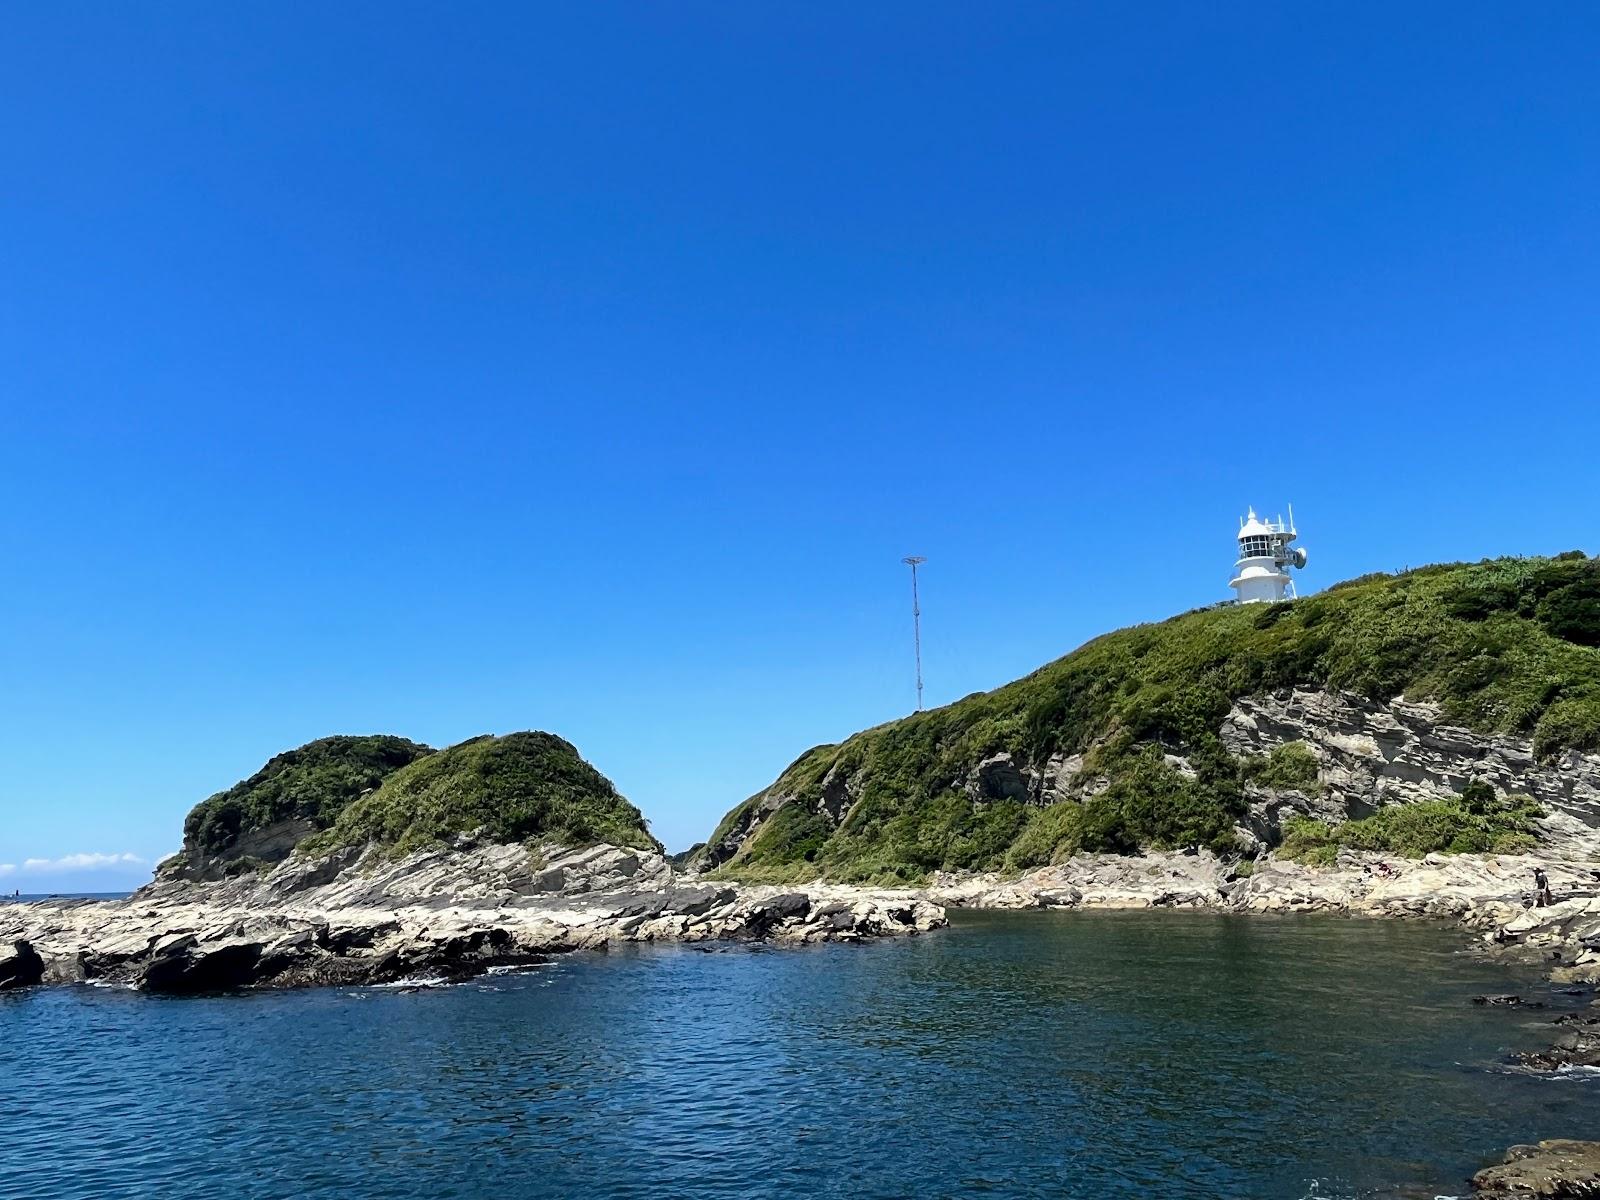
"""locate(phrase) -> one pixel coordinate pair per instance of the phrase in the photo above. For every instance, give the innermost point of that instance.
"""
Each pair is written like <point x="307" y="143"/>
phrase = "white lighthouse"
<point x="1262" y="572"/>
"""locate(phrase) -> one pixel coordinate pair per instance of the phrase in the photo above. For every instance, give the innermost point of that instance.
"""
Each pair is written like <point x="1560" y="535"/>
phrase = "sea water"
<point x="1103" y="1055"/>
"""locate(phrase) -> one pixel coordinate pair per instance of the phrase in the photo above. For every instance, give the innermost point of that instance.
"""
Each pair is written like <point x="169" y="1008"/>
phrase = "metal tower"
<point x="913" y="561"/>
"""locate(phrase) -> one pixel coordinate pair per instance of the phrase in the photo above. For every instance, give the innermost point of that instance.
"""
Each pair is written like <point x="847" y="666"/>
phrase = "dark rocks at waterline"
<point x="180" y="965"/>
<point x="1576" y="1045"/>
<point x="1507" y="1001"/>
<point x="767" y="915"/>
<point x="185" y="964"/>
<point x="1553" y="1170"/>
<point x="20" y="966"/>
<point x="444" y="913"/>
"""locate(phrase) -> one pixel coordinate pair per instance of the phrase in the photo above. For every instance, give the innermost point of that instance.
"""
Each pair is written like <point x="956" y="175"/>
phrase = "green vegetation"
<point x="1506" y="646"/>
<point x="1475" y="822"/>
<point x="514" y="788"/>
<point x="1289" y="767"/>
<point x="313" y="783"/>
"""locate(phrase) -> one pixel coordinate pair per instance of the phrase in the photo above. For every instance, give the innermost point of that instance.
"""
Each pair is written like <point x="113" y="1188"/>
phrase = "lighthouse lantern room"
<point x="1262" y="572"/>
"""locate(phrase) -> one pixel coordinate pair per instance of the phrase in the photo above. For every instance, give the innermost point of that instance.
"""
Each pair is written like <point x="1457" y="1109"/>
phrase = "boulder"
<point x="1576" y="1045"/>
<point x="20" y="966"/>
<point x="645" y="904"/>
<point x="1061" y="897"/>
<point x="183" y="965"/>
<point x="1554" y="1170"/>
<point x="1000" y="777"/>
<point x="696" y="902"/>
<point x="766" y="915"/>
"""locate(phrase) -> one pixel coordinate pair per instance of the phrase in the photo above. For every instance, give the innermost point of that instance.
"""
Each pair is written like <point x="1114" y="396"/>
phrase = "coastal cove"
<point x="1088" y="1053"/>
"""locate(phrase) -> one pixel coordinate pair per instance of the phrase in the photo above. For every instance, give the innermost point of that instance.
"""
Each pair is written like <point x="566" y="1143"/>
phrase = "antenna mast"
<point x="912" y="561"/>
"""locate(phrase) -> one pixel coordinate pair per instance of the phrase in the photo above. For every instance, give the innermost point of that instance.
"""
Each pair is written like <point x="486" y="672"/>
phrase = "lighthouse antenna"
<point x="913" y="561"/>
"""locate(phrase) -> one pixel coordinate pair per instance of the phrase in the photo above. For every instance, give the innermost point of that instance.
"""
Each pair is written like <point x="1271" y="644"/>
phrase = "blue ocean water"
<point x="1103" y="1055"/>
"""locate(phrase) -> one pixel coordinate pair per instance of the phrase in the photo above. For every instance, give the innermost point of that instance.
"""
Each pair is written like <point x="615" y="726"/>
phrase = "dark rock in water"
<point x="182" y="966"/>
<point x="20" y="966"/>
<point x="1555" y="1170"/>
<point x="767" y="914"/>
<point x="1577" y="1045"/>
<point x="1507" y="1001"/>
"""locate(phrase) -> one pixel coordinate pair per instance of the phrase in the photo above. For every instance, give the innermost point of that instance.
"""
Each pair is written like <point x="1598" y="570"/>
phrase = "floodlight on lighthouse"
<point x="1261" y="572"/>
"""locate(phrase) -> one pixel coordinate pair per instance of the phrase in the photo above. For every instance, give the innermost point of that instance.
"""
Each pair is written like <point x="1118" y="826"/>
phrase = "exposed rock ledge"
<point x="449" y="913"/>
<point x="1493" y="894"/>
<point x="1551" y="1169"/>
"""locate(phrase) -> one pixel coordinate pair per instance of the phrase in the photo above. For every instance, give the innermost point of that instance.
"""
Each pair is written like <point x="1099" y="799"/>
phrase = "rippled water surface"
<point x="1082" y="1055"/>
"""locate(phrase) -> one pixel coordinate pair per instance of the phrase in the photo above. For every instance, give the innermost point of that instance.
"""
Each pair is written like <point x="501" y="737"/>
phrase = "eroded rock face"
<point x="1554" y="1169"/>
<point x="270" y="844"/>
<point x="20" y="965"/>
<point x="450" y="913"/>
<point x="1371" y="754"/>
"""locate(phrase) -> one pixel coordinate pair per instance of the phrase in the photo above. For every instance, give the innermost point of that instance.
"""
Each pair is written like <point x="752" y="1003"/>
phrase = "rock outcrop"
<point x="1370" y="754"/>
<point x="1554" y="1170"/>
<point x="20" y="965"/>
<point x="1367" y="755"/>
<point x="357" y="918"/>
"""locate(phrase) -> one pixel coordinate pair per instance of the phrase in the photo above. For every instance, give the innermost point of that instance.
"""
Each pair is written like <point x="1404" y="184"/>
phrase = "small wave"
<point x="1565" y="1074"/>
<point x="516" y="968"/>
<point x="417" y="983"/>
<point x="1575" y="1072"/>
<point x="1314" y="1191"/>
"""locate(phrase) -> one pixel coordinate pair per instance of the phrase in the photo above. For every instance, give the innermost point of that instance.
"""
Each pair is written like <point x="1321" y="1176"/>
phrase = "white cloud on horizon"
<point x="71" y="862"/>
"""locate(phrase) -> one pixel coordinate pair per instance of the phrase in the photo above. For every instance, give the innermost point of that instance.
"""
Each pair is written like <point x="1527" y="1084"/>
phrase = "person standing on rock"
<point x="1541" y="889"/>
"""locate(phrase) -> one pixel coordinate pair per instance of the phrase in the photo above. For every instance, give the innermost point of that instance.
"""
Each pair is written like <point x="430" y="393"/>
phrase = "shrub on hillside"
<point x="1475" y="822"/>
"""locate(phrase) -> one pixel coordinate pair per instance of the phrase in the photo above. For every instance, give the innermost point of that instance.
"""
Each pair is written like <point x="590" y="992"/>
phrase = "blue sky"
<point x="591" y="367"/>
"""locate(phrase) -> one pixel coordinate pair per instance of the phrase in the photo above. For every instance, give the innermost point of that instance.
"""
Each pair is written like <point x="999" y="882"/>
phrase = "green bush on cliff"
<point x="518" y="787"/>
<point x="1289" y="767"/>
<point x="1506" y="645"/>
<point x="1460" y="825"/>
<point x="311" y="783"/>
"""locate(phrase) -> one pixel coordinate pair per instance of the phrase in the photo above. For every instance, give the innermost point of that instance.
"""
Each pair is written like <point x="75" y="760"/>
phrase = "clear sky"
<point x="442" y="370"/>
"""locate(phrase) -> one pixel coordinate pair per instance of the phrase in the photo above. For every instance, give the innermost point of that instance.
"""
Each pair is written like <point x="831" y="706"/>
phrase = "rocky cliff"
<point x="1457" y="690"/>
<point x="1369" y="754"/>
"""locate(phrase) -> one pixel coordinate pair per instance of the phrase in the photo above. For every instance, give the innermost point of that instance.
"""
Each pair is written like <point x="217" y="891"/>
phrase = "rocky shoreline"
<point x="1491" y="895"/>
<point x="358" y="915"/>
<point x="359" y="919"/>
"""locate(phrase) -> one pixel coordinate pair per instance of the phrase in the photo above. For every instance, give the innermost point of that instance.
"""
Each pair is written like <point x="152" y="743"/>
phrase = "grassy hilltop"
<point x="403" y="796"/>
<point x="517" y="787"/>
<point x="1507" y="645"/>
<point x="311" y="784"/>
